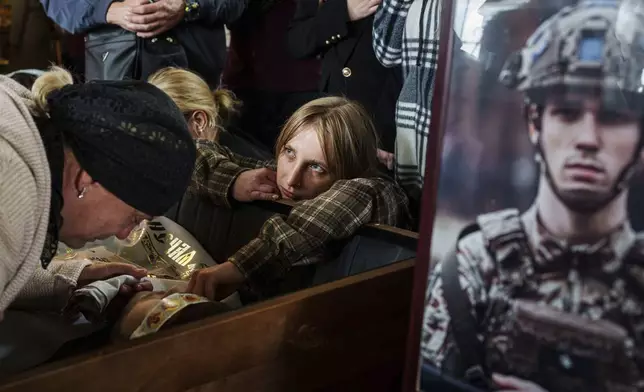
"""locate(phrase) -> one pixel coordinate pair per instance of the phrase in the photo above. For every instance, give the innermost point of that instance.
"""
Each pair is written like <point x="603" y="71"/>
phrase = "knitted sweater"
<point x="25" y="192"/>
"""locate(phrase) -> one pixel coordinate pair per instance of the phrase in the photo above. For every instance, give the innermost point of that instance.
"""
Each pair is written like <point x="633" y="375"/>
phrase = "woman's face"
<point x="302" y="169"/>
<point x="97" y="215"/>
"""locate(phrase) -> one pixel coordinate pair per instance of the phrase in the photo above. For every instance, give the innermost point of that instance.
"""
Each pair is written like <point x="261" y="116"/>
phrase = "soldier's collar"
<point x="620" y="239"/>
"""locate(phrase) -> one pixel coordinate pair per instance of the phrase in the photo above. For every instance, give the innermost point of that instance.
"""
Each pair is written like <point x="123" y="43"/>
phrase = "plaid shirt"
<point x="300" y="237"/>
<point x="406" y="32"/>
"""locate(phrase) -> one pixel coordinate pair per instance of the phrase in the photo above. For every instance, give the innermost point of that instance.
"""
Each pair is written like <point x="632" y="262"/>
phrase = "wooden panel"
<point x="349" y="333"/>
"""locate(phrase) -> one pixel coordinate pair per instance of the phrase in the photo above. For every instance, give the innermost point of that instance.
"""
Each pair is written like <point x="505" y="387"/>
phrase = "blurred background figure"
<point x="31" y="36"/>
<point x="263" y="75"/>
<point x="339" y="31"/>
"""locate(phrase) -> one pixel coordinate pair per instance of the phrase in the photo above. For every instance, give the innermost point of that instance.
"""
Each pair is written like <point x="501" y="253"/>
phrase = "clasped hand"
<point x="144" y="18"/>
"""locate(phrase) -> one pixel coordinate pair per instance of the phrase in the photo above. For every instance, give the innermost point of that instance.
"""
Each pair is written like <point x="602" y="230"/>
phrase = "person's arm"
<point x="317" y="26"/>
<point x="49" y="289"/>
<point x="216" y="171"/>
<point x="388" y="29"/>
<point x="335" y="214"/>
<point x="437" y="342"/>
<point x="77" y="16"/>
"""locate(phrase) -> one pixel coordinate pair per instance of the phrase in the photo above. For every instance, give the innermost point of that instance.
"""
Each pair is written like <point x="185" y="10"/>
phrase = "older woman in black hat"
<point x="80" y="163"/>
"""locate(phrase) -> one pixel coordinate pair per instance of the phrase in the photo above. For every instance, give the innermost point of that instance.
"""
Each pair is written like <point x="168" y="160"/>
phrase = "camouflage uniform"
<point x="595" y="281"/>
<point x="567" y="317"/>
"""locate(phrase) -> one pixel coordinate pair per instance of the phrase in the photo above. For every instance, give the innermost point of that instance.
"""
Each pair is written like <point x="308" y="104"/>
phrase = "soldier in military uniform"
<point x="554" y="297"/>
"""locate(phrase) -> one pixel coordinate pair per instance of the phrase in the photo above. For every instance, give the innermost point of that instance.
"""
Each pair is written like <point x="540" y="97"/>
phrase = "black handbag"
<point x="113" y="53"/>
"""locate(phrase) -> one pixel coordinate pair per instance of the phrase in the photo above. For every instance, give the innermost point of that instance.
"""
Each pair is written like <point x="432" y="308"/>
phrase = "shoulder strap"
<point x="633" y="263"/>
<point x="462" y="322"/>
<point x="507" y="244"/>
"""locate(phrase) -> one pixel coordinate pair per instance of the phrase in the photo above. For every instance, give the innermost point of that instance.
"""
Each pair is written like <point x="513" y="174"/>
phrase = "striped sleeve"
<point x="388" y="30"/>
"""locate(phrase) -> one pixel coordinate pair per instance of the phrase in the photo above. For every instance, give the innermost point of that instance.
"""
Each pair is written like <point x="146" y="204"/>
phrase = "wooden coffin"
<point x="347" y="335"/>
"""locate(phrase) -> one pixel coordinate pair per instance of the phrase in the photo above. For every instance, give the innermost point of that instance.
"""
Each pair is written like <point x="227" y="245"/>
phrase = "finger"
<point x="200" y="287"/>
<point x="148" y="8"/>
<point x="372" y="10"/>
<point x="145" y="28"/>
<point x="144" y="19"/>
<point x="174" y="290"/>
<point x="266" y="188"/>
<point x="144" y="286"/>
<point x="510" y="382"/>
<point x="116" y="269"/>
<point x="192" y="283"/>
<point x="210" y="288"/>
<point x="257" y="195"/>
<point x="160" y="30"/>
<point x="271" y="175"/>
<point x="125" y="290"/>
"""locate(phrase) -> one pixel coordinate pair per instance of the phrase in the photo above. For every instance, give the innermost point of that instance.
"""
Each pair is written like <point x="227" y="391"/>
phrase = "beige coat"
<point x="25" y="192"/>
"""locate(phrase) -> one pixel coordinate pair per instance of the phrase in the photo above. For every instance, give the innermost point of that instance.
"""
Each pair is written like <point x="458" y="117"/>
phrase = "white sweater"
<point x="25" y="192"/>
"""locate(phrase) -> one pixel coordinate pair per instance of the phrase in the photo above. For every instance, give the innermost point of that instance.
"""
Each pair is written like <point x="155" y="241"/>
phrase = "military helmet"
<point x="596" y="44"/>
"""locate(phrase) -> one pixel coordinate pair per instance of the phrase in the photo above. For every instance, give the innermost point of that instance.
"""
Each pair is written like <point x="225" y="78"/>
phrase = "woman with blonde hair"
<point x="326" y="163"/>
<point x="207" y="112"/>
<point x="77" y="163"/>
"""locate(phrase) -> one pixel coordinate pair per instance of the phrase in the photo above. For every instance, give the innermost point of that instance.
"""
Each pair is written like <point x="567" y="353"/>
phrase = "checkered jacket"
<point x="300" y="237"/>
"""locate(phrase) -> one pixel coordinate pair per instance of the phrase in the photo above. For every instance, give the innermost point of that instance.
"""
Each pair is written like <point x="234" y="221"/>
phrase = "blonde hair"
<point x="54" y="79"/>
<point x="345" y="131"/>
<point x="191" y="93"/>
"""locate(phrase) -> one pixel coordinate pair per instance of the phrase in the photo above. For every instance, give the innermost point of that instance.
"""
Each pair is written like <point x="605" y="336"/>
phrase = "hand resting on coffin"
<point x="102" y="271"/>
<point x="145" y="312"/>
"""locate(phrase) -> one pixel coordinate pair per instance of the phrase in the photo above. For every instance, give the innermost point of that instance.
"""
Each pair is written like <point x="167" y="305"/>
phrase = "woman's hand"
<point x="216" y="282"/>
<point x="103" y="271"/>
<point x="258" y="184"/>
<point x="386" y="158"/>
<point x="509" y="383"/>
<point x="360" y="9"/>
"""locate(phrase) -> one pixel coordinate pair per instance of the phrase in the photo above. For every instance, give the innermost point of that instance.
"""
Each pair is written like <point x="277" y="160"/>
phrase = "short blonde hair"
<point x="191" y="93"/>
<point x="345" y="131"/>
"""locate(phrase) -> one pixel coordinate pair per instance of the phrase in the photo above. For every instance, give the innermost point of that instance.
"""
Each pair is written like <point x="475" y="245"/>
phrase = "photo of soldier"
<point x="544" y="291"/>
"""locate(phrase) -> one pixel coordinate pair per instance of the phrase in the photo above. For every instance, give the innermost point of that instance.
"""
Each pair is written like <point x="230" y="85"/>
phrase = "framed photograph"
<point x="533" y="257"/>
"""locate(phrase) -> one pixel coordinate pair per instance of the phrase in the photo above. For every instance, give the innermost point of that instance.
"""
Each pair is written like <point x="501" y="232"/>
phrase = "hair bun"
<point x="53" y="80"/>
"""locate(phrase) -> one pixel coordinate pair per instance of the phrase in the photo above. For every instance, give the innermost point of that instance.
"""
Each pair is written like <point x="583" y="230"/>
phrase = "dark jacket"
<point x="349" y="66"/>
<point x="258" y="57"/>
<point x="203" y="40"/>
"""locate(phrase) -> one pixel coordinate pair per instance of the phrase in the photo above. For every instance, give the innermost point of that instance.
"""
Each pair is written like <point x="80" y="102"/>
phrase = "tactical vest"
<point x="524" y="337"/>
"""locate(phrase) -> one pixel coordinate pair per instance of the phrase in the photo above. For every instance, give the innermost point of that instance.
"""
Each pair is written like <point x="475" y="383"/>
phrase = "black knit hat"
<point x="130" y="137"/>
